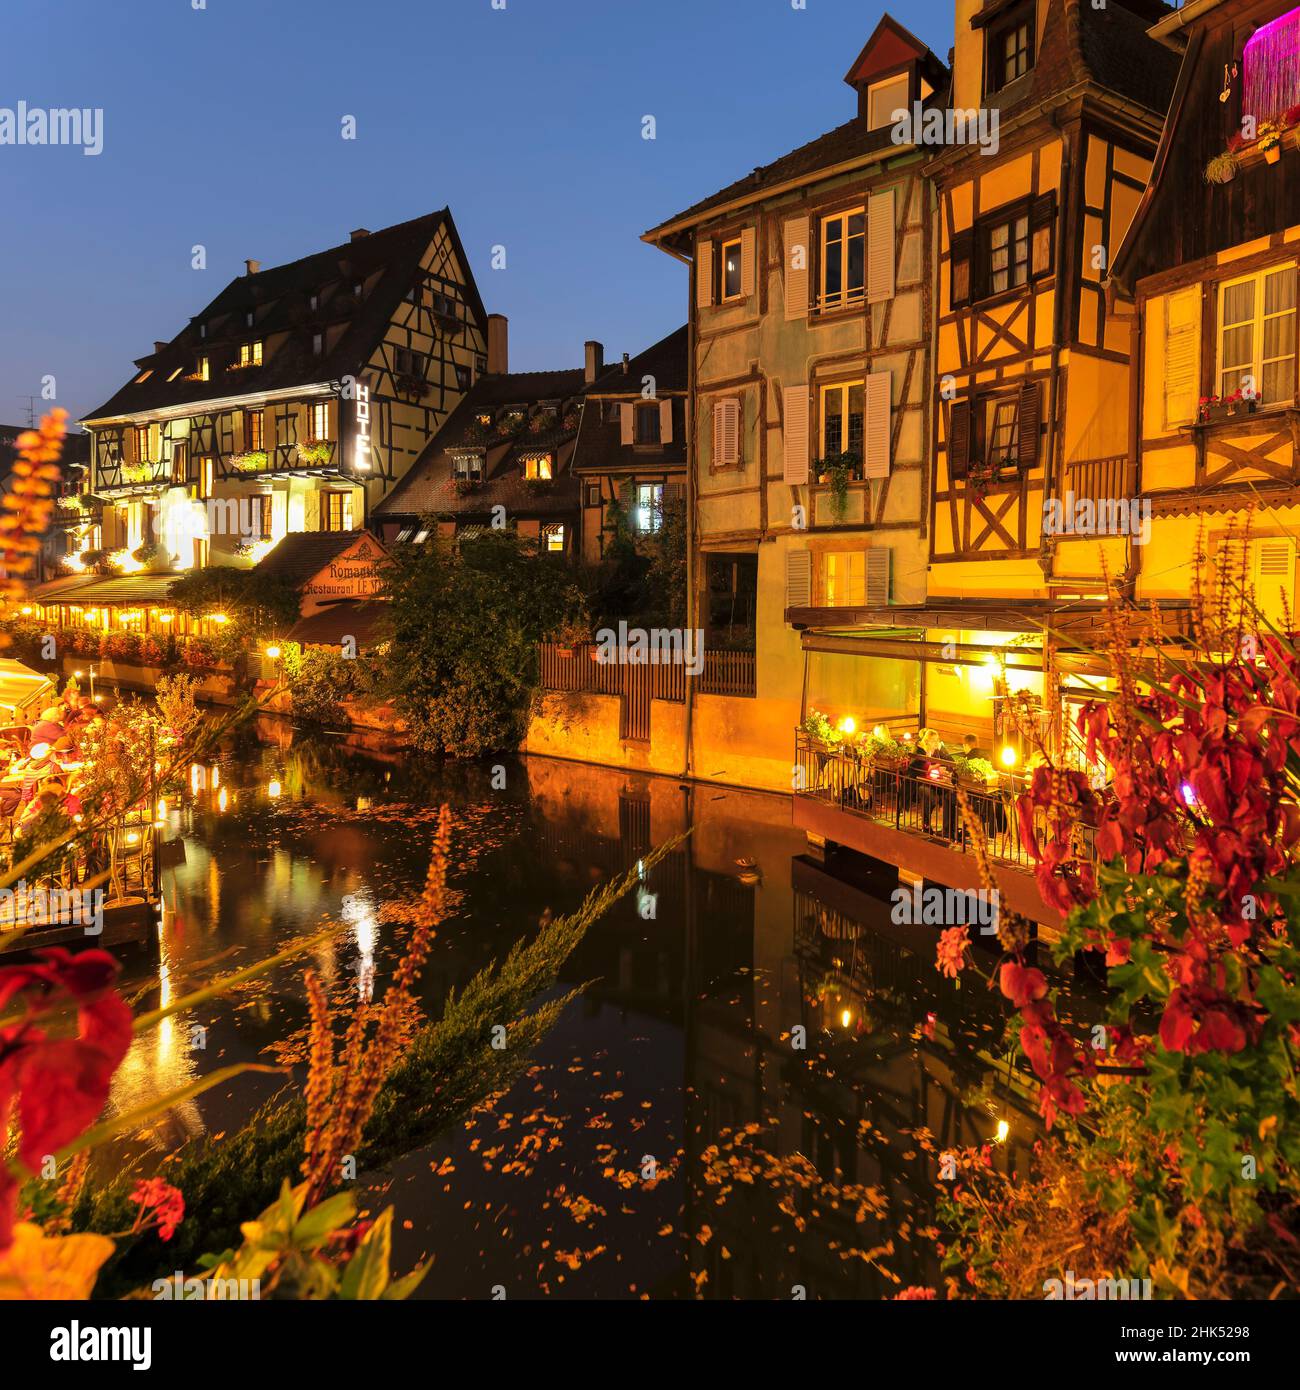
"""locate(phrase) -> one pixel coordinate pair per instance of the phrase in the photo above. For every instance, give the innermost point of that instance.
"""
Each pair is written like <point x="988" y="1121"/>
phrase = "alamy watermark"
<point x="53" y="907"/>
<point x="1105" y="516"/>
<point x="920" y="125"/>
<point x="56" y="125"/>
<point x="657" y="646"/>
<point x="1072" y="1287"/>
<point x="945" y="907"/>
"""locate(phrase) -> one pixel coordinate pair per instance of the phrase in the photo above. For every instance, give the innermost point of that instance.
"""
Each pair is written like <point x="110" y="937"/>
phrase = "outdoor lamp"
<point x="1003" y="1130"/>
<point x="273" y="790"/>
<point x="848" y="725"/>
<point x="1008" y="756"/>
<point x="273" y="652"/>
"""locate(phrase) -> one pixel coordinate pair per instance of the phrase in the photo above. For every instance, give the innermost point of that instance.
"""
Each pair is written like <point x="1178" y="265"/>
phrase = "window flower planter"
<point x="252" y="462"/>
<point x="315" y="453"/>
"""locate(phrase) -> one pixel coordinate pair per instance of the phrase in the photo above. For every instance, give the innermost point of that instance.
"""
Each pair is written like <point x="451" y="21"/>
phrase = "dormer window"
<point x="538" y="468"/>
<point x="317" y="344"/>
<point x="144" y="376"/>
<point x="357" y="289"/>
<point x="314" y="302"/>
<point x="203" y="330"/>
<point x="176" y="371"/>
<point x="204" y="372"/>
<point x="250" y="354"/>
<point x="467" y="467"/>
<point x="886" y="97"/>
<point x="1010" y="51"/>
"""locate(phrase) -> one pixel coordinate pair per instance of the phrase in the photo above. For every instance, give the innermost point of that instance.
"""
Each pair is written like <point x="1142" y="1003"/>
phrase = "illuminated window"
<point x="250" y="354"/>
<point x="317" y="344"/>
<point x="176" y="371"/>
<point x="144" y="376"/>
<point x="884" y="98"/>
<point x="732" y="282"/>
<point x="843" y="247"/>
<point x="1002" y="428"/>
<point x="538" y="468"/>
<point x="336" y="511"/>
<point x="649" y="507"/>
<point x="318" y="422"/>
<point x="846" y="579"/>
<point x="467" y="467"/>
<point x="1257" y="335"/>
<point x="142" y="443"/>
<point x="254" y="430"/>
<point x="205" y="477"/>
<point x="264" y="513"/>
<point x="553" y="538"/>
<point x="205" y="370"/>
<point x="180" y="462"/>
<point x="842" y="418"/>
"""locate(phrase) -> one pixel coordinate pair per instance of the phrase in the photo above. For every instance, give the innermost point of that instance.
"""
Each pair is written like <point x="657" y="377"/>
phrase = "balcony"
<point x="914" y="822"/>
<point x="119" y="479"/>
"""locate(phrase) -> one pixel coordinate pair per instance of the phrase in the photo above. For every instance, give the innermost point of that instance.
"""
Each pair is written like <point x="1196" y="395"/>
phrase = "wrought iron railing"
<point x="918" y="799"/>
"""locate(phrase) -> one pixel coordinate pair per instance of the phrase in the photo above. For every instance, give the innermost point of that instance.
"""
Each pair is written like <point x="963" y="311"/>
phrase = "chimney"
<point x="157" y="346"/>
<point x="595" y="360"/>
<point x="498" y="353"/>
<point x="626" y="361"/>
<point x="359" y="232"/>
<point x="252" y="267"/>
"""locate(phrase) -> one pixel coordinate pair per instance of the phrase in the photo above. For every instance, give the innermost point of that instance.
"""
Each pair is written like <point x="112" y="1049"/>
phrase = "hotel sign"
<point x="361" y="438"/>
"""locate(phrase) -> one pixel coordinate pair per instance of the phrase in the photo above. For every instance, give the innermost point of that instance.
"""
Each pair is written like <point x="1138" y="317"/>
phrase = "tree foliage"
<point x="466" y="619"/>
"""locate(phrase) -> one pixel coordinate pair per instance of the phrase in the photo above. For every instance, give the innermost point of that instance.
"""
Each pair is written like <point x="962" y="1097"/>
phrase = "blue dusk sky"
<point x="222" y="127"/>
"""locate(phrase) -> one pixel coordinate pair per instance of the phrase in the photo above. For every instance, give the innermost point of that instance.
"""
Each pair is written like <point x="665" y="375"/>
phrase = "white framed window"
<point x="649" y="507"/>
<point x="846" y="579"/>
<point x="1257" y="335"/>
<point x="553" y="539"/>
<point x="733" y="284"/>
<point x="318" y="422"/>
<point x="843" y="418"/>
<point x="884" y="98"/>
<point x="250" y="354"/>
<point x="843" y="258"/>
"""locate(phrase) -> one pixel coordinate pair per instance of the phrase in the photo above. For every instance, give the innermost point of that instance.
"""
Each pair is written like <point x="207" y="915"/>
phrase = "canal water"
<point x="670" y="1137"/>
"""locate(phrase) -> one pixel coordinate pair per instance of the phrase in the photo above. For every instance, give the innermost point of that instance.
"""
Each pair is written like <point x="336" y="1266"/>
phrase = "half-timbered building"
<point x="502" y="459"/>
<point x="630" y="453"/>
<point x="1209" y="268"/>
<point x="294" y="402"/>
<point x="1032" y="377"/>
<point x="810" y="295"/>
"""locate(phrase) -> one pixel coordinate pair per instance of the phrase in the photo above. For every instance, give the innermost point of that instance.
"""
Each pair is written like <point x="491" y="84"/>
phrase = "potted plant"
<point x="315" y="452"/>
<point x="1270" y="141"/>
<point x="976" y="773"/>
<point x="251" y="462"/>
<point x="1222" y="168"/>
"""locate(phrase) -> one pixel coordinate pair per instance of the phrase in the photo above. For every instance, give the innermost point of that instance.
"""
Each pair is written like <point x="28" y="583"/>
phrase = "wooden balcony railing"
<point x="576" y="668"/>
<point x="1099" y="480"/>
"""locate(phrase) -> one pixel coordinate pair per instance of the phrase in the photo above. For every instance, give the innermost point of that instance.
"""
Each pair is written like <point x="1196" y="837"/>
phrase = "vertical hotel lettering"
<point x="361" y="444"/>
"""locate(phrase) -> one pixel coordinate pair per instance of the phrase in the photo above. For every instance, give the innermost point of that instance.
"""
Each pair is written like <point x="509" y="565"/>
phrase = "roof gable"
<point x="888" y="48"/>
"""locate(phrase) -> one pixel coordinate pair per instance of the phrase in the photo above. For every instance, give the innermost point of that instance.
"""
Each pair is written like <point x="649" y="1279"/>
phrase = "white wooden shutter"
<point x="796" y="267"/>
<point x="726" y="432"/>
<point x="798" y="579"/>
<point x="878" y="577"/>
<point x="665" y="422"/>
<point x="877" y="427"/>
<point x="1273" y="577"/>
<point x="704" y="274"/>
<point x="626" y="423"/>
<point x="1182" y="355"/>
<point x="880" y="246"/>
<point x="748" y="248"/>
<point x="796" y="434"/>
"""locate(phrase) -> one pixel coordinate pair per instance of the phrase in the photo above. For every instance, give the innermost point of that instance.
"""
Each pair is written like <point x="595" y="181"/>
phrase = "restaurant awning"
<point x="22" y="690"/>
<point x="100" y="592"/>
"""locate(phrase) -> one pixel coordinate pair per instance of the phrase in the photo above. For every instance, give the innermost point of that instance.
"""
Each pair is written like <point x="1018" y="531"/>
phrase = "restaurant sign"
<point x="354" y="573"/>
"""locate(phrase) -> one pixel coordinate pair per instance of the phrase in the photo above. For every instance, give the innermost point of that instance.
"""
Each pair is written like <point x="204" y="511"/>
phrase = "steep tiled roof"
<point x="280" y="299"/>
<point x="359" y="618"/>
<point x="666" y="361"/>
<point x="302" y="554"/>
<point x="429" y="485"/>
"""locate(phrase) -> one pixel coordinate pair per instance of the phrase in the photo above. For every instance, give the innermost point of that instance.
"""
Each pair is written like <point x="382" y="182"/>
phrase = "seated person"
<point x="970" y="747"/>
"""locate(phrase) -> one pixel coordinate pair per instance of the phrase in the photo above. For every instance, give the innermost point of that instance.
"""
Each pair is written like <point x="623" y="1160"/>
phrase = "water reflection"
<point x="737" y="1106"/>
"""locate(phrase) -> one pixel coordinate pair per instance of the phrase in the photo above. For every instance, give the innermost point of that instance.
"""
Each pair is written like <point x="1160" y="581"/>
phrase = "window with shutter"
<point x="796" y="267"/>
<point x="731" y="270"/>
<point x="846" y="579"/>
<point x="795" y="469"/>
<point x="798" y="579"/>
<point x="878" y="576"/>
<point x="1272" y="574"/>
<point x="880" y="248"/>
<point x="626" y="422"/>
<point x="1028" y="424"/>
<point x="959" y="439"/>
<point x="1042" y="227"/>
<point x="748" y="259"/>
<point x="959" y="270"/>
<point x="726" y="433"/>
<point x="1182" y="356"/>
<point x="665" y="422"/>
<point x="878" y="425"/>
<point x="704" y="275"/>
